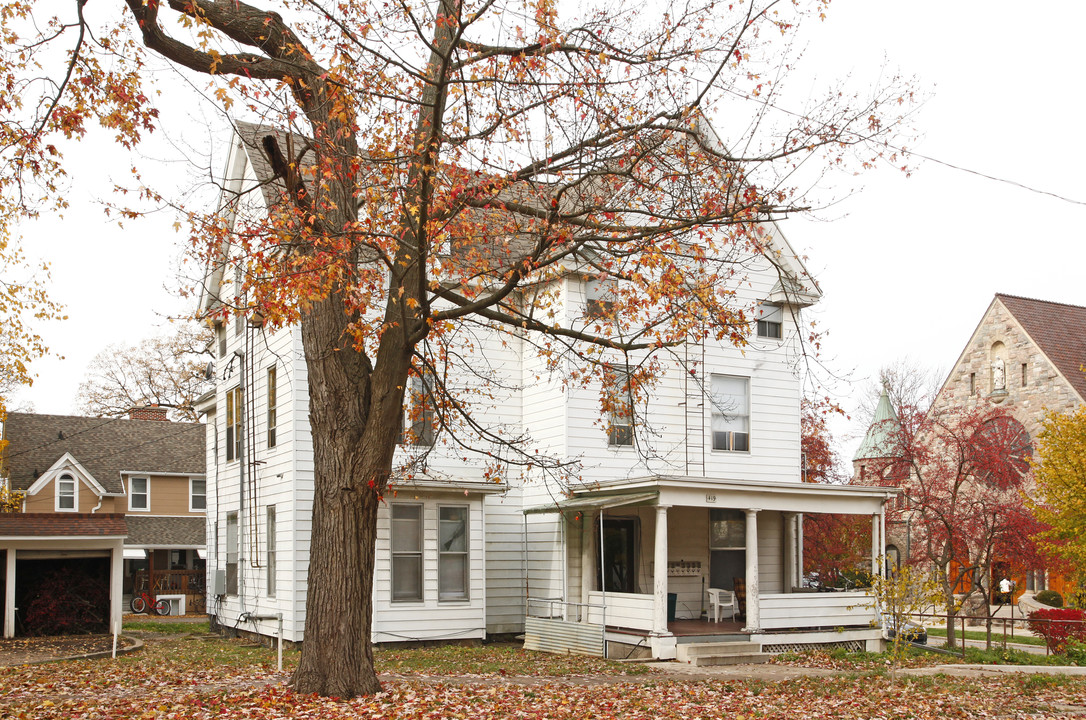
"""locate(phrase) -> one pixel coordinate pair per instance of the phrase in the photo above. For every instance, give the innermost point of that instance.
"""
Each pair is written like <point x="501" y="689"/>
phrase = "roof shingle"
<point x="1059" y="331"/>
<point x="62" y="524"/>
<point x="104" y="446"/>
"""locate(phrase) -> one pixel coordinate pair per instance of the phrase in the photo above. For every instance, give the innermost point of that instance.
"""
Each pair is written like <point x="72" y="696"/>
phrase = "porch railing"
<point x="626" y="610"/>
<point x="190" y="583"/>
<point x="810" y="610"/>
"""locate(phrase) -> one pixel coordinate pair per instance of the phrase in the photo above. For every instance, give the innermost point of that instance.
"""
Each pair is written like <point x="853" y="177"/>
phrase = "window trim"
<point x="619" y="431"/>
<point x="57" y="494"/>
<point x="422" y="416"/>
<point x="394" y="553"/>
<point x="271" y="529"/>
<point x="232" y="587"/>
<point x="132" y="493"/>
<point x="465" y="553"/>
<point x="271" y="417"/>
<point x="193" y="494"/>
<point x="233" y="416"/>
<point x="715" y="413"/>
<point x="769" y="318"/>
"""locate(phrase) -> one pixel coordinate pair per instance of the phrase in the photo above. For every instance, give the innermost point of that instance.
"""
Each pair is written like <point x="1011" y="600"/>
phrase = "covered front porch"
<point x="638" y="559"/>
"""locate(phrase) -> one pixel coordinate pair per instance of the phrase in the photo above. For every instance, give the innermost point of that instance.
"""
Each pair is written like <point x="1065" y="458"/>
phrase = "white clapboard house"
<point x="624" y="564"/>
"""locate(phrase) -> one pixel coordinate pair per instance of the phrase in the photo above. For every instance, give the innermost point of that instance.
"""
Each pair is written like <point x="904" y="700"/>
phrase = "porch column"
<point x="799" y="547"/>
<point x="754" y="622"/>
<point x="882" y="540"/>
<point x="789" y="551"/>
<point x="659" y="575"/>
<point x="876" y="545"/>
<point x="9" y="593"/>
<point x="588" y="570"/>
<point x="116" y="572"/>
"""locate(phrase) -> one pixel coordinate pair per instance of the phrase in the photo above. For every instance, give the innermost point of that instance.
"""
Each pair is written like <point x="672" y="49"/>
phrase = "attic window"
<point x="770" y="322"/>
<point x="66" y="497"/>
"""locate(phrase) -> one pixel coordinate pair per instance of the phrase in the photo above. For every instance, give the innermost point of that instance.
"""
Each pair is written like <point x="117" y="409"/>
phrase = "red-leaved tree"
<point x="963" y="474"/>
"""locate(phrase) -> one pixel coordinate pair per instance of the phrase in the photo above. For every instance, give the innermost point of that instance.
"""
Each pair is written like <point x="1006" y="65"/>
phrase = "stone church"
<point x="1025" y="356"/>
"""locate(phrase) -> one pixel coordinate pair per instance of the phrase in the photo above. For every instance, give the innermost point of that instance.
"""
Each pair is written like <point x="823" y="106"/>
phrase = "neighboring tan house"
<point x="146" y="471"/>
<point x="714" y="499"/>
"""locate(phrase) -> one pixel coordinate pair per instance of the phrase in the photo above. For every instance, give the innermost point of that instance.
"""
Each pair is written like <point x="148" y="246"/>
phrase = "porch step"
<point x="717" y="653"/>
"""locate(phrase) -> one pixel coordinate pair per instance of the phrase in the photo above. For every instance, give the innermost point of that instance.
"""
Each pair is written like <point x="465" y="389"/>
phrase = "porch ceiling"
<point x="596" y="501"/>
<point x="742" y="494"/>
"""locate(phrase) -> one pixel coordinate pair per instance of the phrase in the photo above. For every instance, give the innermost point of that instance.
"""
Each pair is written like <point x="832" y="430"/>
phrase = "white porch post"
<point x="789" y="551"/>
<point x="659" y="579"/>
<point x="9" y="594"/>
<point x="753" y="615"/>
<point x="588" y="571"/>
<point x="116" y="572"/>
<point x="799" y="547"/>
<point x="875" y="543"/>
<point x="882" y="540"/>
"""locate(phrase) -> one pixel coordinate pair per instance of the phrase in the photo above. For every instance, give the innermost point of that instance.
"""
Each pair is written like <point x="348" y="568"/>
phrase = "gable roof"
<point x="1059" y="331"/>
<point x="103" y="446"/>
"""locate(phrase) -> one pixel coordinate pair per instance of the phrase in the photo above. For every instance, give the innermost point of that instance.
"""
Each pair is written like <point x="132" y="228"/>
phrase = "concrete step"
<point x="685" y="652"/>
<point x="740" y="659"/>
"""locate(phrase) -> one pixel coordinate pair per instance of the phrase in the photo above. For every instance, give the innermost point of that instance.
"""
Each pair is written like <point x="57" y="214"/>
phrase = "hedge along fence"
<point x="1059" y="626"/>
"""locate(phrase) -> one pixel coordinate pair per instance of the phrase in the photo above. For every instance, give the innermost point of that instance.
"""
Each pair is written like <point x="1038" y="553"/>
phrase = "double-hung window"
<point x="233" y="423"/>
<point x="271" y="529"/>
<point x="66" y="494"/>
<point x="139" y="494"/>
<point x="406" y="552"/>
<point x="618" y="401"/>
<point x="272" y="419"/>
<point x="731" y="413"/>
<point x="452" y="553"/>
<point x="770" y="322"/>
<point x="232" y="536"/>
<point x="422" y="410"/>
<point x="197" y="494"/>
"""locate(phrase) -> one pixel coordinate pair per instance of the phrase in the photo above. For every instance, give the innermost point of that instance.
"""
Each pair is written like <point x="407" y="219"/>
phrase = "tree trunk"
<point x="354" y="433"/>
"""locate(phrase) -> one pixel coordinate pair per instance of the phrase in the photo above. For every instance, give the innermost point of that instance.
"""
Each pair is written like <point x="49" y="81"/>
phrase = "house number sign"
<point x="710" y="498"/>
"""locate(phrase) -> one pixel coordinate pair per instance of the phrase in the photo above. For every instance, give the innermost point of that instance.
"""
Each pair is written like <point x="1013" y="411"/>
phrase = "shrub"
<point x="1058" y="626"/>
<point x="1049" y="597"/>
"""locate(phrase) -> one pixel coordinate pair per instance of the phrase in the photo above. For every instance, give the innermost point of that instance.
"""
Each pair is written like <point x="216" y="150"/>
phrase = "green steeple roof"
<point x="880" y="441"/>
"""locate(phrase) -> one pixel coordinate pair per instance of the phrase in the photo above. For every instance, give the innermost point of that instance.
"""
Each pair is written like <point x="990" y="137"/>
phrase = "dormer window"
<point x="770" y="320"/>
<point x="66" y="500"/>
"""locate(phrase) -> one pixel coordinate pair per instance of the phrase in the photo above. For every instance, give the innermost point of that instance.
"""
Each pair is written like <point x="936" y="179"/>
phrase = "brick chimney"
<point x="148" y="412"/>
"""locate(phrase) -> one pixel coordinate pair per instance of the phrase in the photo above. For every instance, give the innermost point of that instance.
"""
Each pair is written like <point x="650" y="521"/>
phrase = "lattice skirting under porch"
<point x="848" y="645"/>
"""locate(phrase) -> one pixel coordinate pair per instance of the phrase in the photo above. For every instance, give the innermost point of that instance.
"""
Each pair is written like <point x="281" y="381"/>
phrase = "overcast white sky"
<point x="907" y="265"/>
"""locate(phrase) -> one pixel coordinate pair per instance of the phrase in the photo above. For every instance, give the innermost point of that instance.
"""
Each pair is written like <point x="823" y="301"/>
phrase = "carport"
<point x="53" y="536"/>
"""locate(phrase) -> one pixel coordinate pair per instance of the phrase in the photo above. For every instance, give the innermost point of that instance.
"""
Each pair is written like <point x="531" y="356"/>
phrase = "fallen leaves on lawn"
<point x="204" y="680"/>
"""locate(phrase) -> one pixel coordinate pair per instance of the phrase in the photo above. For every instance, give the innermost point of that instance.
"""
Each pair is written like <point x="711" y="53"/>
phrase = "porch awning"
<point x="135" y="554"/>
<point x="596" y="501"/>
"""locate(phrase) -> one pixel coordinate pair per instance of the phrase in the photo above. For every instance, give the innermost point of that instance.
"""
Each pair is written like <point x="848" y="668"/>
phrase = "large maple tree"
<point x="1060" y="472"/>
<point x="444" y="164"/>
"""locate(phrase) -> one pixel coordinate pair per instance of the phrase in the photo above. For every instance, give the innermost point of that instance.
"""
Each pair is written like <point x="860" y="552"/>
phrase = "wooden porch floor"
<point x="680" y="628"/>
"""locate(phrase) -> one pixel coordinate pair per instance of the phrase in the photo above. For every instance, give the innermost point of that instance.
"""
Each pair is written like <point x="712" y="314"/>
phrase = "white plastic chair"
<point x="722" y="599"/>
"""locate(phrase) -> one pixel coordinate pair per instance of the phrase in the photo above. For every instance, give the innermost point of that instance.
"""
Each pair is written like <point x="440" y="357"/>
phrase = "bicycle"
<point x="145" y="602"/>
